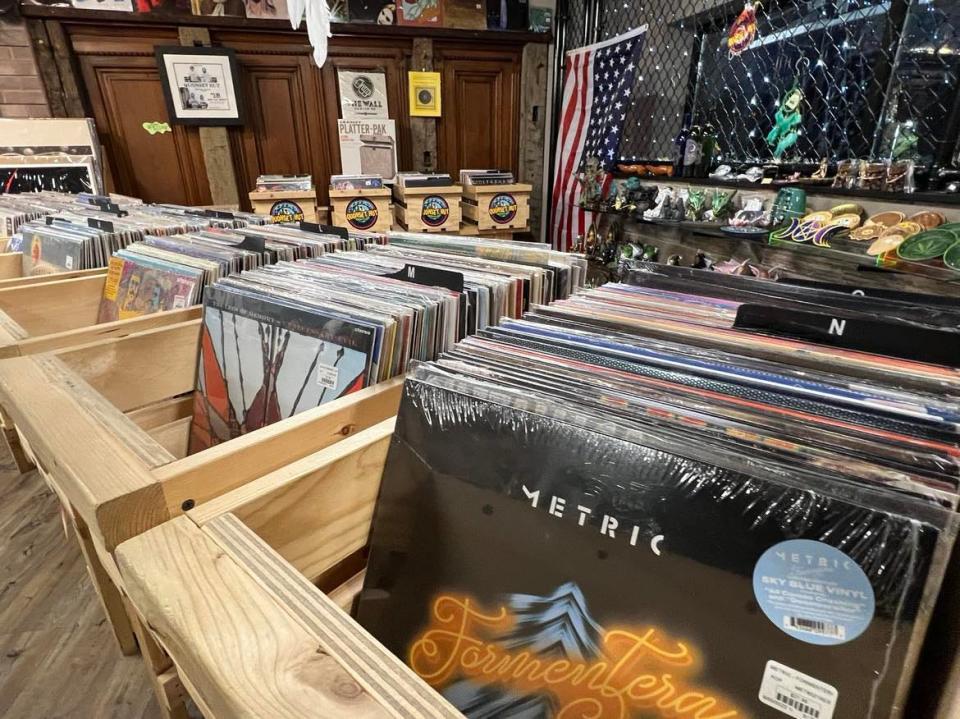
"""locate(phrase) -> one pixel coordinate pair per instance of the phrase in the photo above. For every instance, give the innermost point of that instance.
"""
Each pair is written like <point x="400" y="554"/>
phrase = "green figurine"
<point x="722" y="204"/>
<point x="696" y="204"/>
<point x="786" y="119"/>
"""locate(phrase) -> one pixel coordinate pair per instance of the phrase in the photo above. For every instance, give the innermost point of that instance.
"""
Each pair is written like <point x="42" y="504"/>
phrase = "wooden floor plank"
<point x="58" y="659"/>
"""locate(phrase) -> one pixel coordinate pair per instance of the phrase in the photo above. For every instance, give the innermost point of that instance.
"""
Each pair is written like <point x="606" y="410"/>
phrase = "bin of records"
<point x="165" y="273"/>
<point x="140" y="375"/>
<point x="285" y="338"/>
<point x="705" y="519"/>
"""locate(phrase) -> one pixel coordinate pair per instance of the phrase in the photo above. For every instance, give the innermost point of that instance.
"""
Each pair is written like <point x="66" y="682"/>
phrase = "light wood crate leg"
<point x="20" y="458"/>
<point x="171" y="696"/>
<point x="110" y="598"/>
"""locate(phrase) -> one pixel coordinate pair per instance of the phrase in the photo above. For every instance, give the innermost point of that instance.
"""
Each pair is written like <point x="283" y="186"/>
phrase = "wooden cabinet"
<point x="481" y="106"/>
<point x="124" y="91"/>
<point x="291" y="106"/>
<point x="282" y="133"/>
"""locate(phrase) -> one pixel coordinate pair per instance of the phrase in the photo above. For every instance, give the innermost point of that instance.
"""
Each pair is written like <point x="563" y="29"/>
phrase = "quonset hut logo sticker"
<point x="435" y="211"/>
<point x="503" y="208"/>
<point x="362" y="214"/>
<point x="286" y="211"/>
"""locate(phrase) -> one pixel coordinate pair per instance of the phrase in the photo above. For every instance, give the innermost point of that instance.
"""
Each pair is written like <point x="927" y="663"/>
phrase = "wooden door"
<point x="283" y="133"/>
<point x="481" y="108"/>
<point x="123" y="87"/>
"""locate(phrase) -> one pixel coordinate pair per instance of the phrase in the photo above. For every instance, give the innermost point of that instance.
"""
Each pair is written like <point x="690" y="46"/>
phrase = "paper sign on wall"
<point x="424" y="94"/>
<point x="362" y="94"/>
<point x="368" y="147"/>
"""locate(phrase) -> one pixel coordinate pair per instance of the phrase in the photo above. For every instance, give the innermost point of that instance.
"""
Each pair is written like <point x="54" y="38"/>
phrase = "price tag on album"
<point x="796" y="694"/>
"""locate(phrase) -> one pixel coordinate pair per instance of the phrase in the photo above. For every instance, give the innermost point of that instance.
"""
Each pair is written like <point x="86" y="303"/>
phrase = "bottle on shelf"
<point x="708" y="150"/>
<point x="680" y="146"/>
<point x="691" y="154"/>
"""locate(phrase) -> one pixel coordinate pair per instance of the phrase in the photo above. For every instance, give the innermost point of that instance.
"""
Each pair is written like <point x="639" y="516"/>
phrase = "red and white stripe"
<point x="567" y="221"/>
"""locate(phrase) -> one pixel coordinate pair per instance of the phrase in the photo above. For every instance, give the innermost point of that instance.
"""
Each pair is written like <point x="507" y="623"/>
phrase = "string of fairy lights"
<point x="834" y="51"/>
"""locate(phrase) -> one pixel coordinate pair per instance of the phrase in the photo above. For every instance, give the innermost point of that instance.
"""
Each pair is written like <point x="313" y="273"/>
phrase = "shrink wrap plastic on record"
<point x="532" y="557"/>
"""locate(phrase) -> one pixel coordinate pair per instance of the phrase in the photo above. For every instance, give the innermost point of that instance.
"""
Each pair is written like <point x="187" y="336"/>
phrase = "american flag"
<point x="597" y="87"/>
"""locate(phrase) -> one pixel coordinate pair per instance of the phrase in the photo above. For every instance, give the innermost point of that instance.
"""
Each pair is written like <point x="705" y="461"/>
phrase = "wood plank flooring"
<point x="58" y="659"/>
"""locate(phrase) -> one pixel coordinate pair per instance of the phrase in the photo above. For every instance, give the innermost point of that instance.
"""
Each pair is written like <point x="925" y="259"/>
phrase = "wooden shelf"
<point x="516" y="37"/>
<point x="895" y="198"/>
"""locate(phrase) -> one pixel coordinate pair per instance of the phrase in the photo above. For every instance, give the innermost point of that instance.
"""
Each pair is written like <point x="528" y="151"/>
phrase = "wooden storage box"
<point x="107" y="425"/>
<point x="367" y="210"/>
<point x="497" y="207"/>
<point x="427" y="209"/>
<point x="286" y="205"/>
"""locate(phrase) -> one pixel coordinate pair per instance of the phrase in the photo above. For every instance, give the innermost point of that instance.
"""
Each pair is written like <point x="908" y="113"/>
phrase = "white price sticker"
<point x="327" y="376"/>
<point x="796" y="694"/>
<point x="69" y="262"/>
<point x="179" y="302"/>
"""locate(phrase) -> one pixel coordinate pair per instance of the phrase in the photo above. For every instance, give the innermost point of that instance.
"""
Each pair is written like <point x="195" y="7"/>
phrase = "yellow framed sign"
<point x="424" y="94"/>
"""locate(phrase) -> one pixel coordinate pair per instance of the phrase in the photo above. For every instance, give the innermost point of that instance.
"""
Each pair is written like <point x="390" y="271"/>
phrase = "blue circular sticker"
<point x="503" y="208"/>
<point x="286" y="211"/>
<point x="435" y="210"/>
<point x="813" y="592"/>
<point x="361" y="213"/>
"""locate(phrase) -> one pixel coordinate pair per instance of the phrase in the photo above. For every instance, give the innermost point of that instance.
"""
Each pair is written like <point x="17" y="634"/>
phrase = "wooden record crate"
<point x="369" y="210"/>
<point x="427" y="209"/>
<point x="497" y="207"/>
<point x="107" y="425"/>
<point x="284" y="556"/>
<point x="49" y="312"/>
<point x="285" y="205"/>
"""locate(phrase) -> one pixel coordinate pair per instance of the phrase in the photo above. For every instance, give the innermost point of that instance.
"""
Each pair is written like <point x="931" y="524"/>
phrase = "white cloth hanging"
<point x="318" y="24"/>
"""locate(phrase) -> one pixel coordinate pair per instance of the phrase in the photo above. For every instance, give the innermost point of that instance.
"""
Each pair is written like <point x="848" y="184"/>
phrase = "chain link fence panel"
<point x="872" y="72"/>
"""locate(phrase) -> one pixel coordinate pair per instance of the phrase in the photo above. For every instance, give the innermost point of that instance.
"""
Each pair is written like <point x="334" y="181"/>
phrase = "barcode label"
<point x="327" y="376"/>
<point x="799" y="706"/>
<point x="815" y="626"/>
<point x="796" y="694"/>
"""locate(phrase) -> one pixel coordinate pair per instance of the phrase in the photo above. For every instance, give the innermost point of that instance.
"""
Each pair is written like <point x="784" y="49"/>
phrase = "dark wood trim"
<point x="75" y="102"/>
<point x="47" y="67"/>
<point x="515" y="37"/>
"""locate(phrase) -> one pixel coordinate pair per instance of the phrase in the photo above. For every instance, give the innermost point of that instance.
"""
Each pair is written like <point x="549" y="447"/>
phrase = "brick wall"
<point x="21" y="90"/>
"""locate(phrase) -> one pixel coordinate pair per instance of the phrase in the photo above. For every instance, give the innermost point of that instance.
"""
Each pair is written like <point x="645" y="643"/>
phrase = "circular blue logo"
<point x="503" y="208"/>
<point x="435" y="210"/>
<point x="814" y="592"/>
<point x="361" y="213"/>
<point x="285" y="211"/>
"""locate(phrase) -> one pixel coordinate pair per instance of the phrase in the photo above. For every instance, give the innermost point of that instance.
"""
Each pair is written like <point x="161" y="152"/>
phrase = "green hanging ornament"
<point x="784" y="133"/>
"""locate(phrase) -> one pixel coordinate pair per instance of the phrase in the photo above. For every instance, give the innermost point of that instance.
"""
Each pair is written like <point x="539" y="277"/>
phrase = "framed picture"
<point x="200" y="85"/>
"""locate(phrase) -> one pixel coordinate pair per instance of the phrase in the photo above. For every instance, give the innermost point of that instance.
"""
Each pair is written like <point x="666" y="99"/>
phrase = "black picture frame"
<point x="218" y="58"/>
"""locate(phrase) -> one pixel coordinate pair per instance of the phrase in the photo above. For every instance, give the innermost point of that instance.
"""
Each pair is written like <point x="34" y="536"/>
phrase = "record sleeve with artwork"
<point x="529" y="561"/>
<point x="262" y="360"/>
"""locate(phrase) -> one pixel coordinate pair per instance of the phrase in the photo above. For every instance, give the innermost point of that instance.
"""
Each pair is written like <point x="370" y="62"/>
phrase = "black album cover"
<point x="527" y="566"/>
